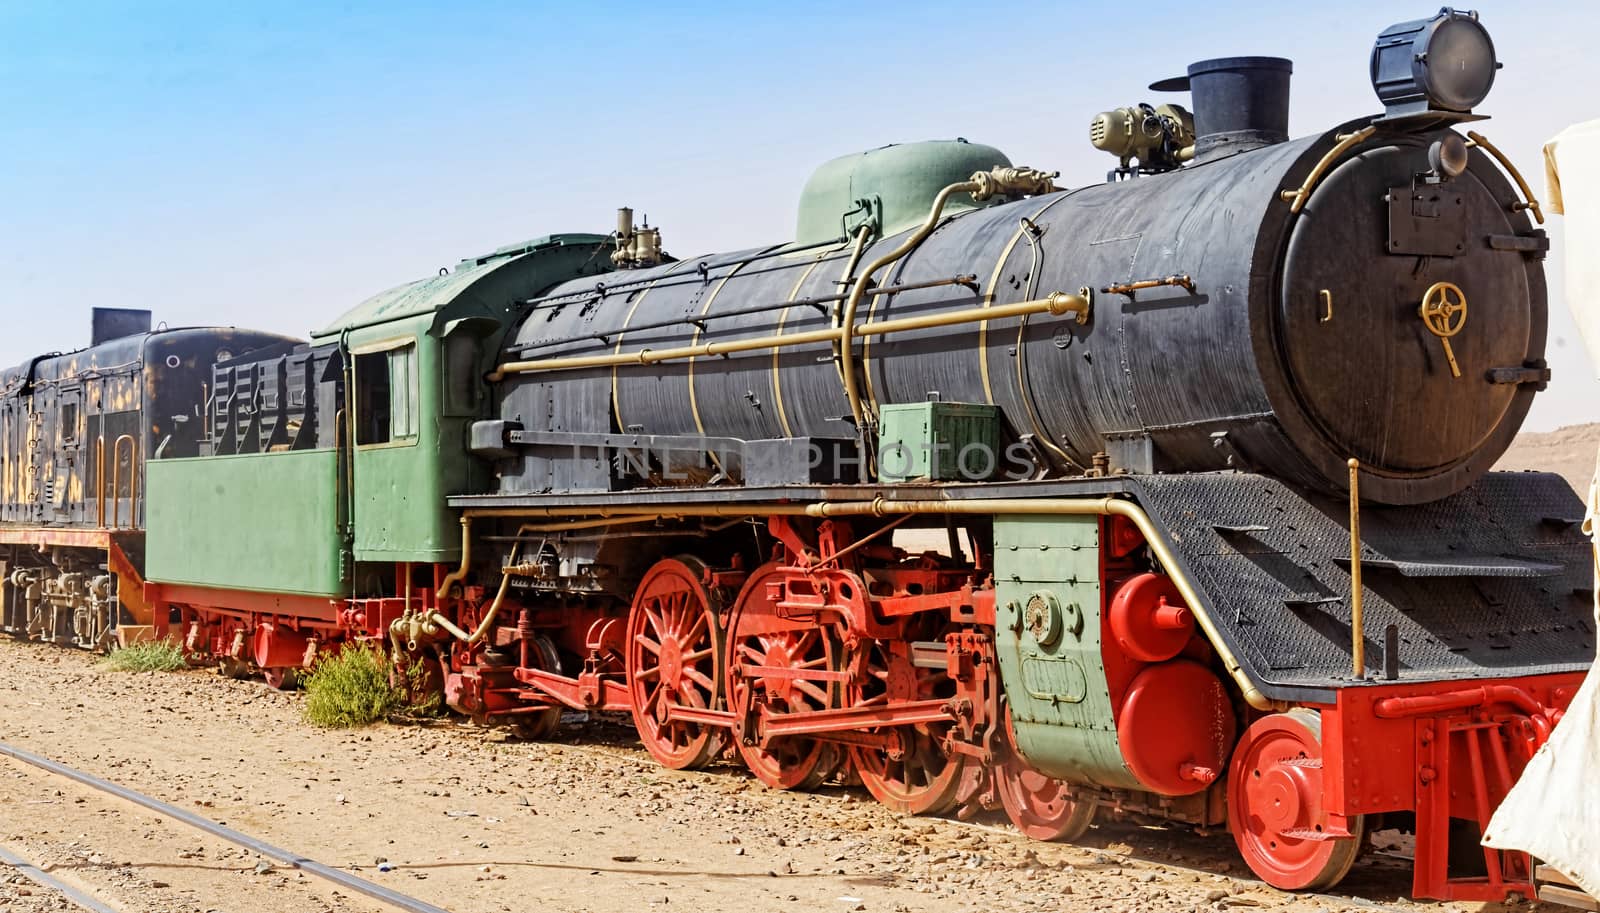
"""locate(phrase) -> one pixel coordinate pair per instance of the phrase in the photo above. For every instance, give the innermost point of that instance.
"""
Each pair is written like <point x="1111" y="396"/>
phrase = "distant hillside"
<point x="1569" y="451"/>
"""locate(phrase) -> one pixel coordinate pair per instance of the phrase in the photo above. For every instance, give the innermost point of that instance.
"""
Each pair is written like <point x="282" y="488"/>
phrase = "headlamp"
<point x="1444" y="64"/>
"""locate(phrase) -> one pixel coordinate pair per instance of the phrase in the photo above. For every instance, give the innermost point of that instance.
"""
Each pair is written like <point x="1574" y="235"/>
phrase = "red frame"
<point x="1441" y="750"/>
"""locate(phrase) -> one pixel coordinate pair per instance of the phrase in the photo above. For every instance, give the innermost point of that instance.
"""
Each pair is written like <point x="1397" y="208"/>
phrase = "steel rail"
<point x="44" y="880"/>
<point x="310" y="866"/>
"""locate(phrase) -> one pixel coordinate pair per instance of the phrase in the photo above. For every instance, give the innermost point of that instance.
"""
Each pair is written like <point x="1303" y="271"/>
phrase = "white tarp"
<point x="1572" y="171"/>
<point x="1553" y="811"/>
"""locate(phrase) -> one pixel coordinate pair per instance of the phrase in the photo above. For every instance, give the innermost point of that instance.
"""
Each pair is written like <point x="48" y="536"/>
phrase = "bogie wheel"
<point x="674" y="659"/>
<point x="1039" y="805"/>
<point x="916" y="776"/>
<point x="759" y="637"/>
<point x="1275" y="805"/>
<point x="228" y="667"/>
<point x="540" y="724"/>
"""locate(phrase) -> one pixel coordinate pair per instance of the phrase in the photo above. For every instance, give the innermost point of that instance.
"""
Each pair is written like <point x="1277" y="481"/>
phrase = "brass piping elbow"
<point x="1079" y="304"/>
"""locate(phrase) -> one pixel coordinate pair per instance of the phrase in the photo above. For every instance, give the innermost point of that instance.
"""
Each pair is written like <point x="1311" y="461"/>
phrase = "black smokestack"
<point x="1240" y="103"/>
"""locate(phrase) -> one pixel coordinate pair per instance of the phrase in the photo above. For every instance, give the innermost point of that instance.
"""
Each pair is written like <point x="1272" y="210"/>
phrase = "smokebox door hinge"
<point x="1536" y="372"/>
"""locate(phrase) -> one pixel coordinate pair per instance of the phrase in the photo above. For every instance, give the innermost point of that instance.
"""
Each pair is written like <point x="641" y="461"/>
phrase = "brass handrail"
<point x="846" y="332"/>
<point x="1358" y="633"/>
<point x="1058" y="304"/>
<point x="100" y="477"/>
<point x="116" y="480"/>
<point x="1298" y="196"/>
<point x="1476" y="139"/>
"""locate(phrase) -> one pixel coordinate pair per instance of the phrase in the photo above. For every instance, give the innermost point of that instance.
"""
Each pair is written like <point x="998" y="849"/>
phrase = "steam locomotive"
<point x="1165" y="497"/>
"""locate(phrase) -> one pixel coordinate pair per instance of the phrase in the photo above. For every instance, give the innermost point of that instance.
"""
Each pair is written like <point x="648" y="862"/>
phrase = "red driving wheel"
<point x="674" y="659"/>
<point x="1275" y="806"/>
<point x="915" y="775"/>
<point x="791" y="648"/>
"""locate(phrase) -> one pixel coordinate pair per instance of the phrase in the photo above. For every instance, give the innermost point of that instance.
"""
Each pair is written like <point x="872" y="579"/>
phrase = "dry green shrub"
<point x="147" y="656"/>
<point x="351" y="688"/>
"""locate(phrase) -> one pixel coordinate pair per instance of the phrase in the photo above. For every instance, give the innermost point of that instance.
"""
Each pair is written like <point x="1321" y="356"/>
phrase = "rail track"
<point x="289" y="858"/>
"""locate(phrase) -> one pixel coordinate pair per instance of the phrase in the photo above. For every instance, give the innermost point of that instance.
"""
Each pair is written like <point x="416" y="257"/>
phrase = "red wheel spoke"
<point x="813" y="690"/>
<point x="697" y="629"/>
<point x="699" y="678"/>
<point x="1039" y="806"/>
<point x="923" y="780"/>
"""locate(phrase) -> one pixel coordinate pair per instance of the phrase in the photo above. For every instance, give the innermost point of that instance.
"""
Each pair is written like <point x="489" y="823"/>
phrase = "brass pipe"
<point x="879" y="507"/>
<point x="1358" y="633"/>
<point x="505" y="576"/>
<point x="439" y="619"/>
<point x="460" y="573"/>
<point x="847" y="320"/>
<point x="488" y="617"/>
<point x="647" y="511"/>
<point x="1056" y="304"/>
<point x="1527" y="193"/>
<point x="582" y="524"/>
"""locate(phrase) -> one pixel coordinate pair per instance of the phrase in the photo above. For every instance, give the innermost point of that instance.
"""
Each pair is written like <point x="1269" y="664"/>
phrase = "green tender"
<point x="258" y="521"/>
<point x="1050" y="659"/>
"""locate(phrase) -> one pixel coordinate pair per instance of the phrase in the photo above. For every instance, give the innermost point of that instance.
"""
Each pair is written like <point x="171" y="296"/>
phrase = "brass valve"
<point x="636" y="245"/>
<point x="1013" y="181"/>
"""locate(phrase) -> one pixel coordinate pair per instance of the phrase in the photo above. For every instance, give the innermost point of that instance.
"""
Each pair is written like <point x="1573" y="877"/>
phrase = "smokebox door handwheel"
<point x="1444" y="313"/>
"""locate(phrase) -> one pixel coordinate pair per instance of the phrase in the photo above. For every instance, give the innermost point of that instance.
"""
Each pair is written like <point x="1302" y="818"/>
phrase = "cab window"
<point x="386" y="395"/>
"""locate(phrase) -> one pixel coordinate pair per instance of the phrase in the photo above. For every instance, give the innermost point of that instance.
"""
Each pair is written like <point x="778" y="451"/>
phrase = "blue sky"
<point x="270" y="165"/>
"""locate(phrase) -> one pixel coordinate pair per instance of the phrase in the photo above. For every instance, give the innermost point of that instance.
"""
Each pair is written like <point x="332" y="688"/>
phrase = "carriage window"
<point x="386" y="395"/>
<point x="69" y="422"/>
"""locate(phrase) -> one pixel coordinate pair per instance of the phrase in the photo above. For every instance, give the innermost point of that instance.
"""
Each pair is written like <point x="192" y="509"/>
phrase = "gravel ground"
<point x="462" y="818"/>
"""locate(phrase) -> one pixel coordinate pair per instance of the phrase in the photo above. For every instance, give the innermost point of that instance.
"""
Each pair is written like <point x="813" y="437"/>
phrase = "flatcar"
<point x="1164" y="497"/>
